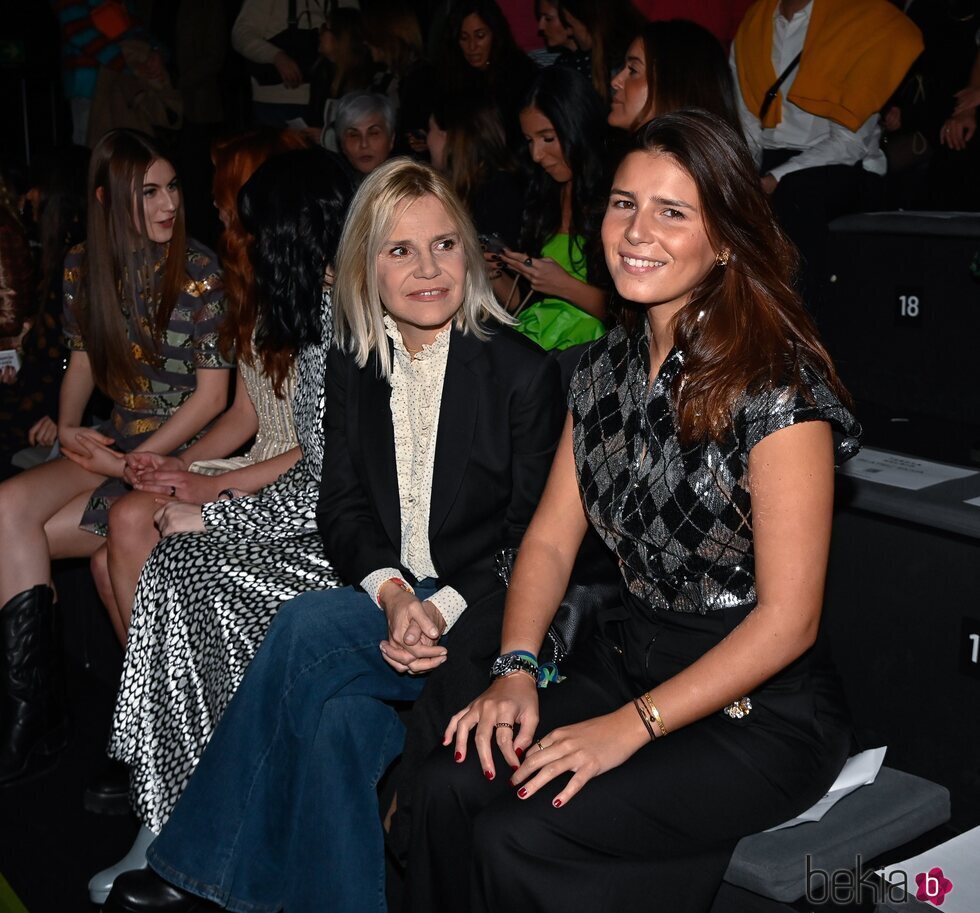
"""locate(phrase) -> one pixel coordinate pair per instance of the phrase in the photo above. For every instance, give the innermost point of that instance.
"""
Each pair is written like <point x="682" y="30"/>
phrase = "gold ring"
<point x="540" y="746"/>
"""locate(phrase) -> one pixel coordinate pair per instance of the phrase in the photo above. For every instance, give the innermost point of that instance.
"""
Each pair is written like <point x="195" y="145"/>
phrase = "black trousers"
<point x="654" y="834"/>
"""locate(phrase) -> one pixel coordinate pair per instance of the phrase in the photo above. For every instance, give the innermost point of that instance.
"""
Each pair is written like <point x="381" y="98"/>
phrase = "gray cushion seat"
<point x="896" y="808"/>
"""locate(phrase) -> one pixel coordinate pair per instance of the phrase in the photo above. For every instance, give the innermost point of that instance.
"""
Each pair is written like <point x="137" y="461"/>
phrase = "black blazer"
<point x="499" y="423"/>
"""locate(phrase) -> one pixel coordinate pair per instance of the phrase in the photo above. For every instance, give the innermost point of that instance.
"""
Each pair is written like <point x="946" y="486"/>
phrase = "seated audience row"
<point x="289" y="775"/>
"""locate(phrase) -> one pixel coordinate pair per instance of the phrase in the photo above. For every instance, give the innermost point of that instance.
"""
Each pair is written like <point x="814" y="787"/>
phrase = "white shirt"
<point x="822" y="141"/>
<point x="416" y="401"/>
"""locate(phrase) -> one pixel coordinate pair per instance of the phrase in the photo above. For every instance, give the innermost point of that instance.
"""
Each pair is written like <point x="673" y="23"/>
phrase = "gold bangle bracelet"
<point x="654" y="713"/>
<point x="644" y="719"/>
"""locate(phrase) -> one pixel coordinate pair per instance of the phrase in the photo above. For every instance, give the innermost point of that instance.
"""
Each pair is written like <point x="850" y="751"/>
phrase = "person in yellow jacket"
<point x="812" y="76"/>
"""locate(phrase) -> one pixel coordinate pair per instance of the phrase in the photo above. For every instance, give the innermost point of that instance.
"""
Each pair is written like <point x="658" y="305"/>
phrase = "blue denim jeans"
<point x="282" y="810"/>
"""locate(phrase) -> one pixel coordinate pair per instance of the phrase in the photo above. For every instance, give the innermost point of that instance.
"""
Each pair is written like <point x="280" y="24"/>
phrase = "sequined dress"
<point x="276" y="432"/>
<point x="164" y="381"/>
<point x="204" y="603"/>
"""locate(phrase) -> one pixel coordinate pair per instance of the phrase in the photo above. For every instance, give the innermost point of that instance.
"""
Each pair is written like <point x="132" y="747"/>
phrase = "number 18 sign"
<point x="908" y="306"/>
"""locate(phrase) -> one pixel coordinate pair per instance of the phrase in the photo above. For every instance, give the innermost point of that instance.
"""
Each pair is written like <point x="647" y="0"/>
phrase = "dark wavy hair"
<point x="294" y="208"/>
<point x="612" y="25"/>
<point x="687" y="67"/>
<point x="568" y="100"/>
<point x="745" y="327"/>
<point x="505" y="53"/>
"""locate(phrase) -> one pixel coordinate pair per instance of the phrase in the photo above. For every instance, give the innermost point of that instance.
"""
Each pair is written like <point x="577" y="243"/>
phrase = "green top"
<point x="554" y="323"/>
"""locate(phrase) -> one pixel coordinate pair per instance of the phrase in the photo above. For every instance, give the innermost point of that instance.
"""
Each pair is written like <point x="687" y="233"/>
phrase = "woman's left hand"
<point x="544" y="274"/>
<point x="193" y="487"/>
<point x="91" y="454"/>
<point x="587" y="749"/>
<point x="178" y="517"/>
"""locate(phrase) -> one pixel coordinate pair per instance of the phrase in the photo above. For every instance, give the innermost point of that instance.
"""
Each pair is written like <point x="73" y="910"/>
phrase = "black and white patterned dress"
<point x="204" y="603"/>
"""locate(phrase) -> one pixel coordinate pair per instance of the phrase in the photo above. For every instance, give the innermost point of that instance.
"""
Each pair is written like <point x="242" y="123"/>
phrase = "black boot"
<point x="33" y="723"/>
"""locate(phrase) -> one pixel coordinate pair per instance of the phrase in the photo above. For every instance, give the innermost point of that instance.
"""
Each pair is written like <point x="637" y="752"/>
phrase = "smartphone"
<point x="9" y="359"/>
<point x="493" y="244"/>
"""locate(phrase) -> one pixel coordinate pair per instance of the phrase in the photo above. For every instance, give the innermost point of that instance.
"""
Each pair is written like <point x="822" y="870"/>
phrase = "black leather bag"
<point x="595" y="584"/>
<point x="300" y="44"/>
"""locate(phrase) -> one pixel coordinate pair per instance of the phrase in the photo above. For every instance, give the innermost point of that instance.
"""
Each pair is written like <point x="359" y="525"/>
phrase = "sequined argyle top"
<point x="679" y="519"/>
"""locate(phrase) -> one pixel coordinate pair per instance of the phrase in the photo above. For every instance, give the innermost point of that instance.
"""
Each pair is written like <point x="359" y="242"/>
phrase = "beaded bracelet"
<point x="543" y="674"/>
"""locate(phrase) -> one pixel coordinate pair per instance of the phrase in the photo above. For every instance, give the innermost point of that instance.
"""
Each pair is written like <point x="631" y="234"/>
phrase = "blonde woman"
<point x="440" y="428"/>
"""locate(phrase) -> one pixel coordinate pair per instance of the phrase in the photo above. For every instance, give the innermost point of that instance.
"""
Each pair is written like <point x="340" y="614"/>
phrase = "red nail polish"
<point x="519" y="752"/>
<point x="513" y="767"/>
<point x="488" y="774"/>
<point x="459" y="756"/>
<point x="556" y="803"/>
<point x="522" y="792"/>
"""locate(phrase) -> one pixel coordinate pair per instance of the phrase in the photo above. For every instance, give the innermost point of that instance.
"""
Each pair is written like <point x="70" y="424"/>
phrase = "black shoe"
<point x="143" y="891"/>
<point x="32" y="702"/>
<point x="108" y="792"/>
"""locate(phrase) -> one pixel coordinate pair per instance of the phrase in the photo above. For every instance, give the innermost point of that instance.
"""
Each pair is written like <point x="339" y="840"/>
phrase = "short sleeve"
<point x="69" y="318"/>
<point x="207" y="287"/>
<point x="764" y="413"/>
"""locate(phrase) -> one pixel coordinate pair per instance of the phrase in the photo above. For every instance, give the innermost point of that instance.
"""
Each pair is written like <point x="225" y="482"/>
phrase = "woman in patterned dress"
<point x="143" y="306"/>
<point x="206" y="596"/>
<point x="262" y="406"/>
<point x="699" y="445"/>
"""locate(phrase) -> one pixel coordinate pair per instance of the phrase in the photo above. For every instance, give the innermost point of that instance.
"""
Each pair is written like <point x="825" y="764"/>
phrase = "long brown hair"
<point x="686" y="67"/>
<point x="476" y="145"/>
<point x="235" y="160"/>
<point x="612" y="25"/>
<point x="118" y="265"/>
<point x="745" y="328"/>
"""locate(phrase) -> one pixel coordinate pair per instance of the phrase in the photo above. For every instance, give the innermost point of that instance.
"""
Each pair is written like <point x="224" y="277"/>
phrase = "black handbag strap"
<point x="770" y="96"/>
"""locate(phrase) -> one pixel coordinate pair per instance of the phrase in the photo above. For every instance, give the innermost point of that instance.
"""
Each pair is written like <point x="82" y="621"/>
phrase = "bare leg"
<point x="32" y="508"/>
<point x="132" y="536"/>
<point x="100" y="574"/>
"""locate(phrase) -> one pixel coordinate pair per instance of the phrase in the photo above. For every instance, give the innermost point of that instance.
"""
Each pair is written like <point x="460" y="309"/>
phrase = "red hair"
<point x="235" y="160"/>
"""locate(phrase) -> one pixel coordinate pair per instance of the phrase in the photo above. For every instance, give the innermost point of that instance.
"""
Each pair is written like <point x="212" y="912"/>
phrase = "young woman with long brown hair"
<point x="670" y="65"/>
<point x="699" y="446"/>
<point x="194" y="632"/>
<point x="261" y="408"/>
<point x="143" y="307"/>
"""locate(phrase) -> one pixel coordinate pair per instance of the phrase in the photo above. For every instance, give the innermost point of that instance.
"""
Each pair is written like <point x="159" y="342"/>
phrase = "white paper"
<point x="858" y="771"/>
<point x="9" y="359"/>
<point x="957" y="860"/>
<point x="296" y="123"/>
<point x="901" y="471"/>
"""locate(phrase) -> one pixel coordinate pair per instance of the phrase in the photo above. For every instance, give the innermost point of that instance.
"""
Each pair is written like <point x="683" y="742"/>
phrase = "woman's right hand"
<point x="43" y="433"/>
<point x="139" y="462"/>
<point x="512" y="700"/>
<point x="67" y="435"/>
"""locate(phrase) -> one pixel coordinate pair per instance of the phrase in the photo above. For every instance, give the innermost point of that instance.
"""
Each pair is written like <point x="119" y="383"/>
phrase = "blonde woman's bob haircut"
<point x="358" y="311"/>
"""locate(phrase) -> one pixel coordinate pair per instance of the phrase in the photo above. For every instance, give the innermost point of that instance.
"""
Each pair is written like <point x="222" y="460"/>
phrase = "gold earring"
<point x="723" y="257"/>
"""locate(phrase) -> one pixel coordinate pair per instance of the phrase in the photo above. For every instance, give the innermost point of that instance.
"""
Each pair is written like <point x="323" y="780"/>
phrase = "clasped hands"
<point x="156" y="473"/>
<point x="92" y="451"/>
<point x="414" y="629"/>
<point x="507" y="713"/>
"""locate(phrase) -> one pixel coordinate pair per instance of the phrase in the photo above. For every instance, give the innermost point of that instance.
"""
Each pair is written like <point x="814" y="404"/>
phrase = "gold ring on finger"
<point x="540" y="746"/>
